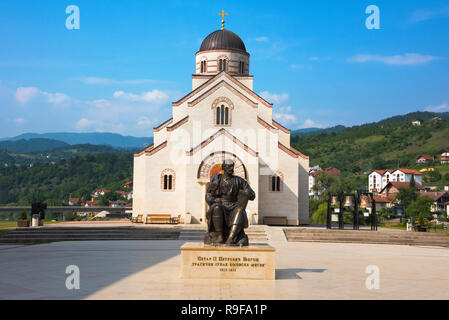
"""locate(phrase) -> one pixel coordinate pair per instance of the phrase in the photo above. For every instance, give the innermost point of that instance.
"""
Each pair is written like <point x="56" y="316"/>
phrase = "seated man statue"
<point x="227" y="196"/>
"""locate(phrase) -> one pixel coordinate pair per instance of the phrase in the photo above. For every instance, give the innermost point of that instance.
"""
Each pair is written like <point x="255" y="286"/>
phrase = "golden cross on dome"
<point x="222" y="14"/>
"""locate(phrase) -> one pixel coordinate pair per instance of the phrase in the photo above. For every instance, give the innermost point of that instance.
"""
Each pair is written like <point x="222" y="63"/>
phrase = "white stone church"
<point x="221" y="118"/>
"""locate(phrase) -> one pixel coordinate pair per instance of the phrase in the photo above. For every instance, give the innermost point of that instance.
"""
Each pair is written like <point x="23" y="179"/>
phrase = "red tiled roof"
<point x="426" y="157"/>
<point x="433" y="195"/>
<point x="402" y="185"/>
<point x="410" y="171"/>
<point x="74" y="199"/>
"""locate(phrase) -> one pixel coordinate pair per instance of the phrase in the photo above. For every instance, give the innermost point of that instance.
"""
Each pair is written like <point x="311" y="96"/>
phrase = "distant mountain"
<point x="311" y="131"/>
<point x="409" y="117"/>
<point x="31" y="145"/>
<point x="96" y="138"/>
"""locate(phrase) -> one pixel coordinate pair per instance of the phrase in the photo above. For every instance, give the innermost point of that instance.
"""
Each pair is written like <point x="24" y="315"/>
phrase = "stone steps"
<point x="254" y="234"/>
<point x="53" y="234"/>
<point x="49" y="234"/>
<point x="363" y="236"/>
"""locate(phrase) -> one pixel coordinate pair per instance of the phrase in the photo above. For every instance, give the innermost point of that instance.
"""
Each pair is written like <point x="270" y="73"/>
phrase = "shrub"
<point x="23" y="215"/>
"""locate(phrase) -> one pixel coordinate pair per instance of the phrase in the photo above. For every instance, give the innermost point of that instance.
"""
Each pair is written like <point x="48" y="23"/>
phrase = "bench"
<point x="158" y="218"/>
<point x="176" y="220"/>
<point x="137" y="219"/>
<point x="275" y="221"/>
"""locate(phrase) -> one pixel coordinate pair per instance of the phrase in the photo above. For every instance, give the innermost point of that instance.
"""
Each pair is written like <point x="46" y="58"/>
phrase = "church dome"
<point x="223" y="40"/>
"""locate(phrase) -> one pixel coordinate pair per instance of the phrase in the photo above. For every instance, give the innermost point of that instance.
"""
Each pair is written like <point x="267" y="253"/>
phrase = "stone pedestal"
<point x="200" y="261"/>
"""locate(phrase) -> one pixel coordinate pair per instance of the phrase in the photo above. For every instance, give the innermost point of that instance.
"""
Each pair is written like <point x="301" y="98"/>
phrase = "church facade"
<point x="222" y="117"/>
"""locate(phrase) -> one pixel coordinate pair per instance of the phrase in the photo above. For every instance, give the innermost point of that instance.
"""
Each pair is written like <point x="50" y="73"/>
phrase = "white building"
<point x="378" y="179"/>
<point x="221" y="118"/>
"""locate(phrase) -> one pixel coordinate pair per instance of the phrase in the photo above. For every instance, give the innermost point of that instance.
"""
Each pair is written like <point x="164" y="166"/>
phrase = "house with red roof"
<point x="422" y="159"/>
<point x="444" y="158"/>
<point x="74" y="201"/>
<point x="379" y="179"/>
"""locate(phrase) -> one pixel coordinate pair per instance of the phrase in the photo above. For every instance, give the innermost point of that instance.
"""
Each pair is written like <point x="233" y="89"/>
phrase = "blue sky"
<point x="315" y="60"/>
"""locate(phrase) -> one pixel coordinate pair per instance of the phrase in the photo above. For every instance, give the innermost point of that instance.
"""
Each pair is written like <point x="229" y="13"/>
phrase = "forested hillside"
<point x="55" y="154"/>
<point x="375" y="146"/>
<point x="52" y="183"/>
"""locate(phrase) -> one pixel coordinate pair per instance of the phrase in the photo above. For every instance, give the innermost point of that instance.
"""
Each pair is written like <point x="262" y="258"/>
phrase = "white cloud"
<point x="19" y="120"/>
<point x="310" y="124"/>
<point x="403" y="59"/>
<point x="155" y="96"/>
<point x="100" y="103"/>
<point x="55" y="98"/>
<point x="441" y="108"/>
<point x="108" y="81"/>
<point x="25" y="94"/>
<point x="262" y="39"/>
<point x="427" y="14"/>
<point x="274" y="97"/>
<point x="284" y="117"/>
<point x="144" y="122"/>
<point x="314" y="58"/>
<point x="84" y="124"/>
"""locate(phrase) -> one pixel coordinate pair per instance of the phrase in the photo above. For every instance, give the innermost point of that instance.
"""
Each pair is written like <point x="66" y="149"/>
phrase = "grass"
<point x="400" y="226"/>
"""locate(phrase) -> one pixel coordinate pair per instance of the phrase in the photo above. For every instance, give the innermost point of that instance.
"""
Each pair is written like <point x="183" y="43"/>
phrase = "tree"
<point x="323" y="184"/>
<point x="446" y="177"/>
<point x="320" y="215"/>
<point x="420" y="206"/>
<point x="406" y="196"/>
<point x="378" y="164"/>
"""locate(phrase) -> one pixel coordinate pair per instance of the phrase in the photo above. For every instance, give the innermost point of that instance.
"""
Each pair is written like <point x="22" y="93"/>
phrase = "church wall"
<point x="284" y="203"/>
<point x="284" y="138"/>
<point x="212" y="61"/>
<point x="159" y="137"/>
<point x="157" y="200"/>
<point x="242" y="117"/>
<point x="265" y="113"/>
<point x="303" y="197"/>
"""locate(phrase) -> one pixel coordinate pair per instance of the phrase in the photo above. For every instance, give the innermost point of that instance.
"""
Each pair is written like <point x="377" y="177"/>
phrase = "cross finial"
<point x="222" y="14"/>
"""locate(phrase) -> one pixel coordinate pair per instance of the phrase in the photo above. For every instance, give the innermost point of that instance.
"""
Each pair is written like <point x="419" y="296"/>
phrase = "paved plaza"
<point x="151" y="270"/>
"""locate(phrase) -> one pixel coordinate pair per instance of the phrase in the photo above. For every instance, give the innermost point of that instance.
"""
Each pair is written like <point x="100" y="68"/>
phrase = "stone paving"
<point x="151" y="270"/>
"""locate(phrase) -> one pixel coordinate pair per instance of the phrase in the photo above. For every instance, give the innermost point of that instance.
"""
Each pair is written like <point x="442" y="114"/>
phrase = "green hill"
<point x="53" y="182"/>
<point x="389" y="144"/>
<point x="31" y="145"/>
<point x="56" y="154"/>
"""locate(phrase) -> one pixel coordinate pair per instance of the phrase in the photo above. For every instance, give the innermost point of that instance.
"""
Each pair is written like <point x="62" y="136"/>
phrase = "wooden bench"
<point x="158" y="218"/>
<point x="176" y="220"/>
<point x="137" y="219"/>
<point x="275" y="221"/>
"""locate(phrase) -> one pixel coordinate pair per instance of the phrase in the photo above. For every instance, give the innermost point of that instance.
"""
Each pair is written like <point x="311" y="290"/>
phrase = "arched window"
<point x="275" y="182"/>
<point x="222" y="65"/>
<point x="222" y="115"/>
<point x="222" y="107"/>
<point x="168" y="180"/>
<point x="241" y="67"/>
<point x="203" y="66"/>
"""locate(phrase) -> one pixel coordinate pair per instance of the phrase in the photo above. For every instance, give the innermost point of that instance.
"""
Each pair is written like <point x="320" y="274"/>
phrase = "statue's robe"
<point x="228" y="192"/>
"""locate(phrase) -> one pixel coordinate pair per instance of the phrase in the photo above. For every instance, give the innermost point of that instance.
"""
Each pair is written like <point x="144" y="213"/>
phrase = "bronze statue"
<point x="227" y="196"/>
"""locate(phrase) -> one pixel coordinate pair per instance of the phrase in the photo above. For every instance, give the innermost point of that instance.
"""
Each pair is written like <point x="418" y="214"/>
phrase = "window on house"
<point x="203" y="66"/>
